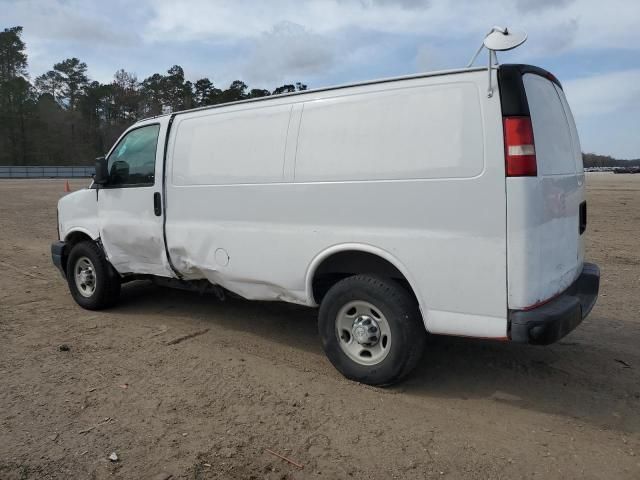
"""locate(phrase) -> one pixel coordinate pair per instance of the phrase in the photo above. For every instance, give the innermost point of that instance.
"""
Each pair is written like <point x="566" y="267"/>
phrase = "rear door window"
<point x="551" y="132"/>
<point x="577" y="151"/>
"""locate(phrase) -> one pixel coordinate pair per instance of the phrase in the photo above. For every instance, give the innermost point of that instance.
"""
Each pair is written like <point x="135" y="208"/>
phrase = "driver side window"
<point x="133" y="161"/>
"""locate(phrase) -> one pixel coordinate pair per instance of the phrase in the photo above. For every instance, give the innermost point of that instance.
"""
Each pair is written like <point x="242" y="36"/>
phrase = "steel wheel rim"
<point x="363" y="332"/>
<point x="85" y="277"/>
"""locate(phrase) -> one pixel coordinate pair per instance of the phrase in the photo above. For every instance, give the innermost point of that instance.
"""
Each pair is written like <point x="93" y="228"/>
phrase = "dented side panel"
<point x="130" y="232"/>
<point x="258" y="234"/>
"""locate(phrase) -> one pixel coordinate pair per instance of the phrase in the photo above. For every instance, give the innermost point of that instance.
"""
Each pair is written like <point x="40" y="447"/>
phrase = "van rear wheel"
<point x="93" y="282"/>
<point x="371" y="329"/>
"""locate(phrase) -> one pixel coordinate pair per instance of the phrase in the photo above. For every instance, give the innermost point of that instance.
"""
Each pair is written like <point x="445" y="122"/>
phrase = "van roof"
<point x="324" y="89"/>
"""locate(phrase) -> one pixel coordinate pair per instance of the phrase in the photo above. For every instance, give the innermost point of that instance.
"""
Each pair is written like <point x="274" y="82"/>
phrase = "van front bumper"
<point x="553" y="320"/>
<point x="59" y="255"/>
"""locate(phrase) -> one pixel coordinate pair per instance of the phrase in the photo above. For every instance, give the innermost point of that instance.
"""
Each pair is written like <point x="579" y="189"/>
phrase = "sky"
<point x="593" y="47"/>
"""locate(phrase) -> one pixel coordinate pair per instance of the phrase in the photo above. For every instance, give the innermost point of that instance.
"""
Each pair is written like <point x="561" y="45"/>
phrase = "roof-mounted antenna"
<point x="498" y="39"/>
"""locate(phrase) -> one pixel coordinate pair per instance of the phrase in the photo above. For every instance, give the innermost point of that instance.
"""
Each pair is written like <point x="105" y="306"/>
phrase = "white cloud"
<point x="288" y="51"/>
<point x="71" y="20"/>
<point x="554" y="26"/>
<point x="59" y="29"/>
<point x="604" y="93"/>
<point x="428" y="58"/>
<point x="589" y="22"/>
<point x="537" y="5"/>
<point x="586" y="23"/>
<point x="407" y="4"/>
<point x="557" y="40"/>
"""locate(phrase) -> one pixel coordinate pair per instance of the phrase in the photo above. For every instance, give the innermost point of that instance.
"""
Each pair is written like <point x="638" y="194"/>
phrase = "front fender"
<point x="78" y="212"/>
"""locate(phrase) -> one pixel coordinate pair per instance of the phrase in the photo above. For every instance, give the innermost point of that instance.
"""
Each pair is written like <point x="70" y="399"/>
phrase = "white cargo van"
<point x="400" y="207"/>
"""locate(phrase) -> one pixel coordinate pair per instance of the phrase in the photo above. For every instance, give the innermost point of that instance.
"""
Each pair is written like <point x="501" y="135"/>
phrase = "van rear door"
<point x="546" y="213"/>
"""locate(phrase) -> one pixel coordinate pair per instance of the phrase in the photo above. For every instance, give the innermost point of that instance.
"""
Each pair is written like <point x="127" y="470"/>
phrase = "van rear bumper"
<point x="553" y="320"/>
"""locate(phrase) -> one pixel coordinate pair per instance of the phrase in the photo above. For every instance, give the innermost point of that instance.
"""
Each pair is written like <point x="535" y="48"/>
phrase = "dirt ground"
<point x="210" y="406"/>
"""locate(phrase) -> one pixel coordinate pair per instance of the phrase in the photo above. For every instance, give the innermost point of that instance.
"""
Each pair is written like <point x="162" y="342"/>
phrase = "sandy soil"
<point x="210" y="406"/>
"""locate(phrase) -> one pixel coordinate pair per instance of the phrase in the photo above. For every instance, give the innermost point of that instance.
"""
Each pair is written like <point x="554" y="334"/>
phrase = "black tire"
<point x="107" y="280"/>
<point x="400" y="309"/>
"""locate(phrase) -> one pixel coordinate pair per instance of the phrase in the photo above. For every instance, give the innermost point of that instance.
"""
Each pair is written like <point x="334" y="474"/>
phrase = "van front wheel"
<point x="93" y="282"/>
<point x="371" y="329"/>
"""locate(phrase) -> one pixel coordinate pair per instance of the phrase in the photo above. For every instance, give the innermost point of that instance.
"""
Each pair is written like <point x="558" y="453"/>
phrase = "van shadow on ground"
<point x="579" y="377"/>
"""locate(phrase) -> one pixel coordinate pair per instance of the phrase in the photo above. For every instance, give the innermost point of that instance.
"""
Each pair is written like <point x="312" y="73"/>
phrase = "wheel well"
<point x="76" y="237"/>
<point x="70" y="240"/>
<point x="353" y="262"/>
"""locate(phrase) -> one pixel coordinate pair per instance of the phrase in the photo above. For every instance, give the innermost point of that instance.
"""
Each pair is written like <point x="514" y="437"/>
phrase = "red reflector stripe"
<point x="519" y="148"/>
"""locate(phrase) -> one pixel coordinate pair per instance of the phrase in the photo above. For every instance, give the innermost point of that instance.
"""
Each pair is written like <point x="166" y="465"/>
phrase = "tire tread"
<point x="402" y="301"/>
<point x="106" y="296"/>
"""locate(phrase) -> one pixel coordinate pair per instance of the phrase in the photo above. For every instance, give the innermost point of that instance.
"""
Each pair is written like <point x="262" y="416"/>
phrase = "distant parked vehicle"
<point x="599" y="169"/>
<point x="427" y="203"/>
<point x="626" y="170"/>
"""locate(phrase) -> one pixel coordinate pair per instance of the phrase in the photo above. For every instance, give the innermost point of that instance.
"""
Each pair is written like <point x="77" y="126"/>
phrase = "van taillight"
<point x="519" y="148"/>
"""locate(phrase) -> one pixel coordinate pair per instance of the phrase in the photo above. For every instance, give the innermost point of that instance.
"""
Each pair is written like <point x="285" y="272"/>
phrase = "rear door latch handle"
<point x="157" y="204"/>
<point x="582" y="226"/>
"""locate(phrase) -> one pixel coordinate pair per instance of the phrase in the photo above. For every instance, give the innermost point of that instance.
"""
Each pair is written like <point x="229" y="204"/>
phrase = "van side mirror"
<point x="102" y="173"/>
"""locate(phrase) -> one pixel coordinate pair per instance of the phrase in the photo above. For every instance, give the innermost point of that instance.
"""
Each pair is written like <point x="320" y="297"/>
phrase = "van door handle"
<point x="582" y="225"/>
<point x="157" y="204"/>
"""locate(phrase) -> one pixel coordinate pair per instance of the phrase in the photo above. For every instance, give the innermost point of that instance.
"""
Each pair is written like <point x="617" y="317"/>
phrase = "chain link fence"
<point x="45" y="172"/>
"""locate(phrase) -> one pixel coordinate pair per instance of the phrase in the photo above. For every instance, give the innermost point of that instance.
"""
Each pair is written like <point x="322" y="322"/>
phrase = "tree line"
<point x="593" y="160"/>
<point x="63" y="117"/>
